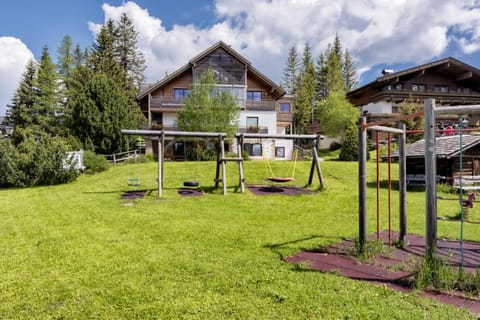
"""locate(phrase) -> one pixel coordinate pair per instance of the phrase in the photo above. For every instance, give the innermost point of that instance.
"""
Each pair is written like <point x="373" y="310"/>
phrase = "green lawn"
<point x="77" y="251"/>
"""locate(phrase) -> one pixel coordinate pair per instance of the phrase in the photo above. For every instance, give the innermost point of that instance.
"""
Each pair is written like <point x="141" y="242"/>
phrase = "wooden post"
<point x="240" y="163"/>
<point x="430" y="178"/>
<point x="160" y="165"/>
<point x="402" y="181"/>
<point x="362" y="183"/>
<point x="217" y="170"/>
<point x="224" y="169"/>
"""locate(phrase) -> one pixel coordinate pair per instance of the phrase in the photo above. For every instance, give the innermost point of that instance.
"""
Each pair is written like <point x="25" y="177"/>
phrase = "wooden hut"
<point x="448" y="150"/>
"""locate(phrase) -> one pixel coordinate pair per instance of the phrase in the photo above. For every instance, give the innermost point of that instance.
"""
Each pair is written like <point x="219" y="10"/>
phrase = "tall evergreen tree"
<point x="19" y="113"/>
<point x="305" y="93"/>
<point x="103" y="58"/>
<point x="349" y="72"/>
<point x="333" y="73"/>
<point x="321" y="77"/>
<point x="99" y="114"/>
<point x="47" y="100"/>
<point x="65" y="58"/>
<point x="131" y="60"/>
<point x="291" y="70"/>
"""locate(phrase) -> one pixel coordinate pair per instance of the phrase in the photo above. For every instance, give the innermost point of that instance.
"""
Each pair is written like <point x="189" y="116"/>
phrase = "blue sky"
<point x="379" y="34"/>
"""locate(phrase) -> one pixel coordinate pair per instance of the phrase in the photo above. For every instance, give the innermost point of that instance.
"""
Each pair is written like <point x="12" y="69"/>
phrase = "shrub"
<point x="349" y="150"/>
<point x="38" y="160"/>
<point x="94" y="163"/>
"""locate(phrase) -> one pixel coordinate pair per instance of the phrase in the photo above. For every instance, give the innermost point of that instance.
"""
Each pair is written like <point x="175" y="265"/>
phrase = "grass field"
<point x="77" y="251"/>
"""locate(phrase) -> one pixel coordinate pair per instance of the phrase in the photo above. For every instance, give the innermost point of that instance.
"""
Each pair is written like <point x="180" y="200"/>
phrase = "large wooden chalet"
<point x="449" y="81"/>
<point x="263" y="104"/>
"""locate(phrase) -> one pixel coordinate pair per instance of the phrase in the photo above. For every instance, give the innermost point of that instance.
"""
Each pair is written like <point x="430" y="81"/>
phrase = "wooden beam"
<point x="464" y="76"/>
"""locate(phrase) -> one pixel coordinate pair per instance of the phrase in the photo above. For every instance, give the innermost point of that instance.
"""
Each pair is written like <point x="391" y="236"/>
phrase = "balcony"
<point x="263" y="105"/>
<point x="446" y="98"/>
<point x="158" y="126"/>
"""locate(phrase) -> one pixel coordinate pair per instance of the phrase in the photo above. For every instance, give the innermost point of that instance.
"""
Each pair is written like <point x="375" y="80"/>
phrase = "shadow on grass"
<point x="276" y="247"/>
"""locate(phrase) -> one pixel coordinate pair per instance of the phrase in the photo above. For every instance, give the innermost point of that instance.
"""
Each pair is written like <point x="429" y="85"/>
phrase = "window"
<point x="237" y="92"/>
<point x="463" y="90"/>
<point x="252" y="124"/>
<point x="280" y="152"/>
<point x="180" y="93"/>
<point x="419" y="87"/>
<point x="399" y="86"/>
<point x="253" y="149"/>
<point x="254" y="95"/>
<point x="441" y="88"/>
<point x="285" y="107"/>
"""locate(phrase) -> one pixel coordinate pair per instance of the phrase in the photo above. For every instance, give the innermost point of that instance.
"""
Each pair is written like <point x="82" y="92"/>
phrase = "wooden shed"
<point x="448" y="151"/>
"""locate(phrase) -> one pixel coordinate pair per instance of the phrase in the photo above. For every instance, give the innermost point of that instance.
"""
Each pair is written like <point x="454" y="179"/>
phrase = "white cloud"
<point x="374" y="31"/>
<point x="14" y="57"/>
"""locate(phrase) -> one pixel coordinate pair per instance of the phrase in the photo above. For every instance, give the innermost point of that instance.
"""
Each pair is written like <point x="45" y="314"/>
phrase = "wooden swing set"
<point x="222" y="159"/>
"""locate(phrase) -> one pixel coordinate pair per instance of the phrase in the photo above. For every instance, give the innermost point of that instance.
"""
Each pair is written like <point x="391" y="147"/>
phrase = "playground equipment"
<point x="362" y="172"/>
<point x="314" y="144"/>
<point x="430" y="110"/>
<point x="221" y="157"/>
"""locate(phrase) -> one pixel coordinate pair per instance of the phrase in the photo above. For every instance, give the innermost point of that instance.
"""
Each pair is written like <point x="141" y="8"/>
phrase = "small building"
<point x="448" y="150"/>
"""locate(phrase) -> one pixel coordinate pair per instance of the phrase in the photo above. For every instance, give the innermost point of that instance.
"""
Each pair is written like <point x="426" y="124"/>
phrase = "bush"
<point x="36" y="160"/>
<point x="349" y="150"/>
<point x="94" y="163"/>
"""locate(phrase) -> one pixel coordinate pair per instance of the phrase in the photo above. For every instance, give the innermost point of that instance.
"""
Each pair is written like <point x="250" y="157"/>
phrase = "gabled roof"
<point x="449" y="66"/>
<point x="277" y="91"/>
<point x="446" y="147"/>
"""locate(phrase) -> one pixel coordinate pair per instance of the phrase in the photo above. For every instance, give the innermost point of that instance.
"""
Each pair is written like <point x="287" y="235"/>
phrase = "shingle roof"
<point x="446" y="147"/>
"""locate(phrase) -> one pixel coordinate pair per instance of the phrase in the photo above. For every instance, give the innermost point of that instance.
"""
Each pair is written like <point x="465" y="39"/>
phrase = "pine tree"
<point x="103" y="58"/>
<point x="349" y="72"/>
<point x="19" y="113"/>
<point x="47" y="100"/>
<point x="305" y="93"/>
<point x="333" y="73"/>
<point x="65" y="58"/>
<point x="290" y="72"/>
<point x="100" y="112"/>
<point x="321" y="77"/>
<point x="131" y="60"/>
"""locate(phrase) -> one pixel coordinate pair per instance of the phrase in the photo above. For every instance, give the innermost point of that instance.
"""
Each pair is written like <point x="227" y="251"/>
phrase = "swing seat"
<point x="280" y="179"/>
<point x="191" y="184"/>
<point x="133" y="181"/>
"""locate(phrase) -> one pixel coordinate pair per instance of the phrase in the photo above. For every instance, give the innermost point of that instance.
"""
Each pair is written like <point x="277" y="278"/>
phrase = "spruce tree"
<point x="103" y="58"/>
<point x="100" y="112"/>
<point x="47" y="99"/>
<point x="65" y="59"/>
<point x="19" y="113"/>
<point x="321" y="77"/>
<point x="305" y="93"/>
<point x="131" y="60"/>
<point x="349" y="72"/>
<point x="290" y="72"/>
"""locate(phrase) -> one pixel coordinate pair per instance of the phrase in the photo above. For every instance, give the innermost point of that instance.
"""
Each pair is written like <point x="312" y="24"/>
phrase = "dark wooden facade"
<point x="233" y="72"/>
<point x="449" y="81"/>
<point x="448" y="157"/>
